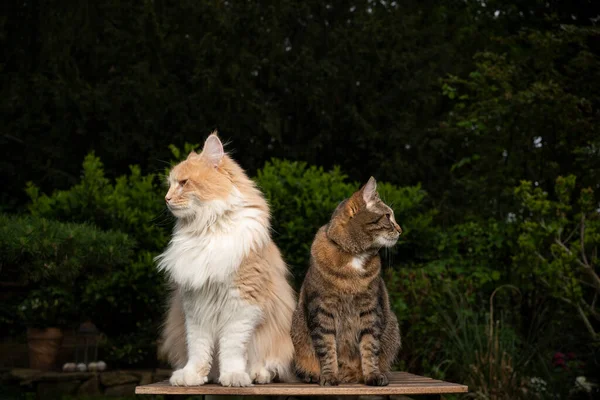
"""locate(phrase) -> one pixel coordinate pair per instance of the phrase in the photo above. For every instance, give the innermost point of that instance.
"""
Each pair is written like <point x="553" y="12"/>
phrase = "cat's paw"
<point x="311" y="378"/>
<point x="261" y="376"/>
<point x="329" y="380"/>
<point x="377" y="379"/>
<point x="187" y="377"/>
<point x="237" y="379"/>
<point x="307" y="377"/>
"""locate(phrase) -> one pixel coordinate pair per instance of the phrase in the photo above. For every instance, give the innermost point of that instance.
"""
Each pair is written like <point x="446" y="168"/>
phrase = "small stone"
<point x="81" y="367"/>
<point x="101" y="365"/>
<point x="121" y="390"/>
<point x="69" y="367"/>
<point x="115" y="378"/>
<point x="92" y="367"/>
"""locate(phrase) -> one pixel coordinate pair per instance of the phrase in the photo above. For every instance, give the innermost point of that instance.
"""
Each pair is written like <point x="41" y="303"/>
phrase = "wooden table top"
<point x="400" y="383"/>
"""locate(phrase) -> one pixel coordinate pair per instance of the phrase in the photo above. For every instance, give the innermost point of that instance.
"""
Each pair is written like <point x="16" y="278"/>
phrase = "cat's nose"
<point x="397" y="227"/>
<point x="167" y="199"/>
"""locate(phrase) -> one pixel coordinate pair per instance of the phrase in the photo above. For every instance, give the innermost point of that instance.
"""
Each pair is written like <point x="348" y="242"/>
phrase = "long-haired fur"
<point x="231" y="305"/>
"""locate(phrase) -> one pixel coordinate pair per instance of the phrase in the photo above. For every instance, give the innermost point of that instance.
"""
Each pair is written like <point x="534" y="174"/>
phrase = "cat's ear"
<point x="213" y="150"/>
<point x="369" y="191"/>
<point x="192" y="155"/>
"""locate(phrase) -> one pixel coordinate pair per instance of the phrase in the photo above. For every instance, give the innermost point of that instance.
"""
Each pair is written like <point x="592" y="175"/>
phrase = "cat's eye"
<point x="378" y="219"/>
<point x="183" y="182"/>
<point x="388" y="216"/>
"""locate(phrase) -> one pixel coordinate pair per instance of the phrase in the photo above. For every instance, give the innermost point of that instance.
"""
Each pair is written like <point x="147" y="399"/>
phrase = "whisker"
<point x="163" y="161"/>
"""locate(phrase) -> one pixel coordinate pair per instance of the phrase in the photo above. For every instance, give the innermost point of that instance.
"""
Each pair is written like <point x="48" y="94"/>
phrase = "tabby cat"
<point x="343" y="329"/>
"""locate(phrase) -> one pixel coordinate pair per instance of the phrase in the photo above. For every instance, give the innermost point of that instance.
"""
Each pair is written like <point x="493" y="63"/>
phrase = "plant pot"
<point x="44" y="345"/>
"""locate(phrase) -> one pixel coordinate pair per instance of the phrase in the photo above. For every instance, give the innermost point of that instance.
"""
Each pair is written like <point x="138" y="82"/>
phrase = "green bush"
<point x="132" y="203"/>
<point x="56" y="260"/>
<point x="127" y="301"/>
<point x="43" y="250"/>
<point x="49" y="306"/>
<point x="302" y="199"/>
<point x="558" y="247"/>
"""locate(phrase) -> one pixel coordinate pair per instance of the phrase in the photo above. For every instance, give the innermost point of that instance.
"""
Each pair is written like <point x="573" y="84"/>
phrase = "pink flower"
<point x="558" y="356"/>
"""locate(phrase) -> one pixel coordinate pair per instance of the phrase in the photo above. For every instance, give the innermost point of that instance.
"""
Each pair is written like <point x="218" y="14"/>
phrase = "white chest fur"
<point x="195" y="257"/>
<point x="358" y="262"/>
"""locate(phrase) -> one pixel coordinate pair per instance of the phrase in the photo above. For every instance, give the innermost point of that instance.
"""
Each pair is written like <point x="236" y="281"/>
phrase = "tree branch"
<point x="541" y="257"/>
<point x="582" y="239"/>
<point x="587" y="323"/>
<point x="591" y="309"/>
<point x="590" y="271"/>
<point x="571" y="234"/>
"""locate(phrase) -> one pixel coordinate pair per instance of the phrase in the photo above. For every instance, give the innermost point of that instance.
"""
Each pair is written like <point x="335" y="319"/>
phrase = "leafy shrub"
<point x="49" y="306"/>
<point x="41" y="250"/>
<point x="302" y="199"/>
<point x="132" y="204"/>
<point x="558" y="247"/>
<point x="128" y="300"/>
<point x="57" y="259"/>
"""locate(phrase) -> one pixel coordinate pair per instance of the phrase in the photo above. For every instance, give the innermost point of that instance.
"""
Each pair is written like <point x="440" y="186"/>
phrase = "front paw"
<point x="307" y="377"/>
<point x="187" y="377"/>
<point x="329" y="380"/>
<point x="377" y="379"/>
<point x="311" y="378"/>
<point x="237" y="379"/>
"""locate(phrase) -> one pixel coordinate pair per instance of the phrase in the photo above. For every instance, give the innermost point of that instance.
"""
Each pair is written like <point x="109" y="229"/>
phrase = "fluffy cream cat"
<point x="231" y="308"/>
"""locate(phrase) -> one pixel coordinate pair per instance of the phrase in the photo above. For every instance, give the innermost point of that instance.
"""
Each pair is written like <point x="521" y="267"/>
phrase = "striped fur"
<point x="343" y="329"/>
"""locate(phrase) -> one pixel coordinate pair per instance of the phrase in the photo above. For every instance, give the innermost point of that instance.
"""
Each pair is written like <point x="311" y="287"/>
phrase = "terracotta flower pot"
<point x="44" y="345"/>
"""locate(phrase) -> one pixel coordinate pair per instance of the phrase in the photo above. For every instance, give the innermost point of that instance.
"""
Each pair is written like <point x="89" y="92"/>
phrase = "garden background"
<point x="480" y="119"/>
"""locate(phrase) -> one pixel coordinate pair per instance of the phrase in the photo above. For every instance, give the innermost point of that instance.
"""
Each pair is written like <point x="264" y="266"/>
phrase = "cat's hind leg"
<point x="260" y="374"/>
<point x="306" y="364"/>
<point x="270" y="356"/>
<point x="390" y="344"/>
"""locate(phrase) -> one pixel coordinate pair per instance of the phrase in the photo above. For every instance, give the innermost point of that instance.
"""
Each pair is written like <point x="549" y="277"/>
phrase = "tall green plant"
<point x="484" y="352"/>
<point x="558" y="245"/>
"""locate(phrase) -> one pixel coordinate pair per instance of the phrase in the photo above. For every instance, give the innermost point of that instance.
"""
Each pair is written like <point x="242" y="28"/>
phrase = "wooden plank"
<point x="400" y="383"/>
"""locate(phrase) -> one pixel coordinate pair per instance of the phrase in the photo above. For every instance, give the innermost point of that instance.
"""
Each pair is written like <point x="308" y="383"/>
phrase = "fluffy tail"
<point x="271" y="346"/>
<point x="173" y="346"/>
